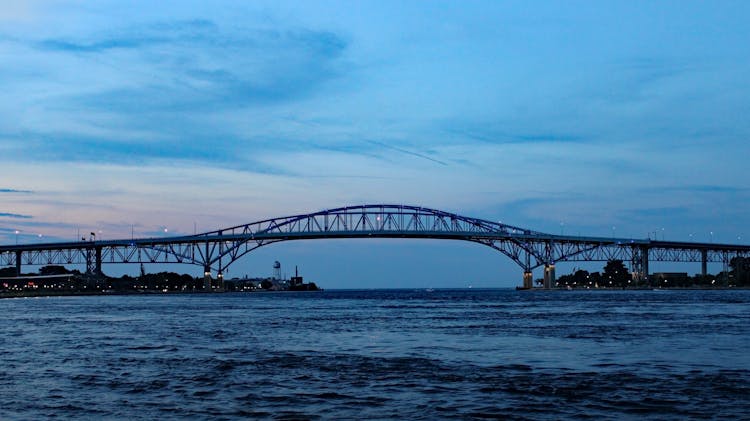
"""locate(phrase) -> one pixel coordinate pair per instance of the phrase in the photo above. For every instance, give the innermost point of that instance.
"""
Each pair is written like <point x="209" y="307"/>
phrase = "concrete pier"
<point x="207" y="278"/>
<point x="528" y="280"/>
<point x="549" y="276"/>
<point x="18" y="263"/>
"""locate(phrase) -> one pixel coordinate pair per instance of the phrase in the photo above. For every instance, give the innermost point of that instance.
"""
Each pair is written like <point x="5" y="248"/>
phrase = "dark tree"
<point x="740" y="271"/>
<point x="53" y="270"/>
<point x="266" y="284"/>
<point x="7" y="272"/>
<point x="615" y="274"/>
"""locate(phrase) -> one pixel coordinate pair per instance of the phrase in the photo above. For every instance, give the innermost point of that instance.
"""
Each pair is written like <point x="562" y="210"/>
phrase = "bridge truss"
<point x="217" y="250"/>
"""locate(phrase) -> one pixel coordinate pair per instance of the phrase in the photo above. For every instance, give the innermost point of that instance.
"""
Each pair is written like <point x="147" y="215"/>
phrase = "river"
<point x="379" y="354"/>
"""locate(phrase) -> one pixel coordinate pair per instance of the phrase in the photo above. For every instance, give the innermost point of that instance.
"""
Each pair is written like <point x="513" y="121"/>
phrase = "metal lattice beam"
<point x="219" y="249"/>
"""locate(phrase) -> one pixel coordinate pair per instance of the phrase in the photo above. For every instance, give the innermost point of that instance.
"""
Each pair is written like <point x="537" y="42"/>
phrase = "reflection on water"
<point x="379" y="354"/>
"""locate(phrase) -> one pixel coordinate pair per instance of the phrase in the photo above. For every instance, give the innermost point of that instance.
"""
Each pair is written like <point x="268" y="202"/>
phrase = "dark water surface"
<point x="379" y="354"/>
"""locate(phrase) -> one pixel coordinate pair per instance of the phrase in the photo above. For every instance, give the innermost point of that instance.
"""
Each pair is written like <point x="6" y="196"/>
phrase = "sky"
<point x="626" y="118"/>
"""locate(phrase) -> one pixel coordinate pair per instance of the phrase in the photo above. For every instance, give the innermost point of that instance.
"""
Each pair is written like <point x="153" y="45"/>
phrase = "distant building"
<point x="673" y="278"/>
<point x="296" y="279"/>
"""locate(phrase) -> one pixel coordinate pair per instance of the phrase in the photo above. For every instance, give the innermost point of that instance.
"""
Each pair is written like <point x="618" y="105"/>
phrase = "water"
<point x="379" y="355"/>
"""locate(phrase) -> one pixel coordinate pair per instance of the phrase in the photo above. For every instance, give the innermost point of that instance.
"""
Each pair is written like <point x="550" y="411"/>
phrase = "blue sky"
<point x="571" y="117"/>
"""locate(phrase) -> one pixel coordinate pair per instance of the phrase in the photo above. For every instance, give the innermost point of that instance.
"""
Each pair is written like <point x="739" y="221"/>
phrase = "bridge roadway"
<point x="216" y="250"/>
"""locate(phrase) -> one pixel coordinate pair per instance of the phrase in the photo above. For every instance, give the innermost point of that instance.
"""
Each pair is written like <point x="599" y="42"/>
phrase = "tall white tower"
<point x="277" y="270"/>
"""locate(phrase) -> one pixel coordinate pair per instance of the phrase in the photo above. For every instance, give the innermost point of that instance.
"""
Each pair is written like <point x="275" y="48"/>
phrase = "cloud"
<point x="657" y="212"/>
<point x="489" y="132"/>
<point x="405" y="151"/>
<point x="696" y="189"/>
<point x="14" y="215"/>
<point x="6" y="190"/>
<point x="190" y="90"/>
<point x="198" y="66"/>
<point x="145" y="37"/>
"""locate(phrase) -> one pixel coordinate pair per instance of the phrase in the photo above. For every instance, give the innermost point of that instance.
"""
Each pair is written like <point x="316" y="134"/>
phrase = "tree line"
<point x="616" y="275"/>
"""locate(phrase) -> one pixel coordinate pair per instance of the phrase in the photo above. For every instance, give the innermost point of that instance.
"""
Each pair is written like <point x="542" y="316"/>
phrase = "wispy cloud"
<point x="6" y="190"/>
<point x="173" y="90"/>
<point x="133" y="38"/>
<point x="14" y="215"/>
<point x="208" y="68"/>
<point x="488" y="132"/>
<point x="405" y="151"/>
<point x="696" y="189"/>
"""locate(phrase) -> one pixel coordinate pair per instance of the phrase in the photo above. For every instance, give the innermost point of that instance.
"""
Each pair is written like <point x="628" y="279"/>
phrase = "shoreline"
<point x="40" y="294"/>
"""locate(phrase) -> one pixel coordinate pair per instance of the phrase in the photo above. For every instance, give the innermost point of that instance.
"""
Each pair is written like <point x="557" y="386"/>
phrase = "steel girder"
<point x="219" y="249"/>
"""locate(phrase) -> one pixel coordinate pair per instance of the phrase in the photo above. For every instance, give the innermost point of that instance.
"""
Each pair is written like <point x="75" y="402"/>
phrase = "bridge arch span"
<point x="369" y="221"/>
<point x="218" y="249"/>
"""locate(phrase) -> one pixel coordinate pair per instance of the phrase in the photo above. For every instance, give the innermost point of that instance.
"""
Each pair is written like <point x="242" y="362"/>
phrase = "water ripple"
<point x="379" y="354"/>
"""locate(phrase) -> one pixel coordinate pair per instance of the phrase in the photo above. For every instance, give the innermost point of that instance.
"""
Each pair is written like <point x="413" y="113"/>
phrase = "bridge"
<point x="217" y="250"/>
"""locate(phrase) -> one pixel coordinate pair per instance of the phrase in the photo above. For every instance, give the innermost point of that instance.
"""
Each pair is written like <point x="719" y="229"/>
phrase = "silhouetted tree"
<point x="615" y="274"/>
<point x="740" y="271"/>
<point x="53" y="270"/>
<point x="7" y="272"/>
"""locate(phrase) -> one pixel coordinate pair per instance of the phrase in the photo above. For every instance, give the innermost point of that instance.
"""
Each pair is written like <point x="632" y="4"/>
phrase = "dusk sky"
<point x="626" y="118"/>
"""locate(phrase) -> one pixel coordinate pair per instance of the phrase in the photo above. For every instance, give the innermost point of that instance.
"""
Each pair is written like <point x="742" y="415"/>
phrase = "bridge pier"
<point x="18" y="262"/>
<point x="549" y="276"/>
<point x="528" y="279"/>
<point x="220" y="276"/>
<point x="640" y="265"/>
<point x="98" y="264"/>
<point x="207" y="278"/>
<point x="704" y="262"/>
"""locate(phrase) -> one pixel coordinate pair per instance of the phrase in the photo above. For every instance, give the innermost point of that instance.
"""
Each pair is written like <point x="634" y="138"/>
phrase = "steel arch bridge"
<point x="217" y="250"/>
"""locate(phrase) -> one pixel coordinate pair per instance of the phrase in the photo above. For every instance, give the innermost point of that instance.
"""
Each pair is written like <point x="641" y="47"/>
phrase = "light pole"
<point x="17" y="232"/>
<point x="712" y="236"/>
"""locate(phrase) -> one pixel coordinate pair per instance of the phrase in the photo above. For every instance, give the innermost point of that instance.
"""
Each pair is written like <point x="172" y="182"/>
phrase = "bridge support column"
<point x="98" y="267"/>
<point x="528" y="279"/>
<point x="704" y="263"/>
<point x="18" y="263"/>
<point x="639" y="265"/>
<point x="644" y="265"/>
<point x="549" y="276"/>
<point x="207" y="278"/>
<point x="220" y="287"/>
